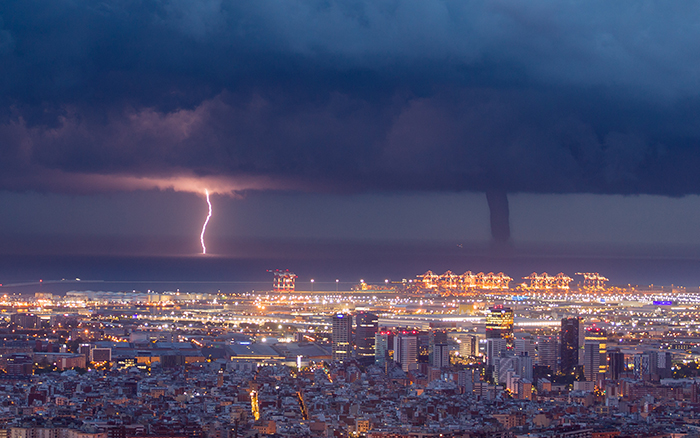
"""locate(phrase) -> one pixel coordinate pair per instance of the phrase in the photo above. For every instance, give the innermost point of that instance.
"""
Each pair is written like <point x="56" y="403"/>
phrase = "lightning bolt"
<point x="204" y="227"/>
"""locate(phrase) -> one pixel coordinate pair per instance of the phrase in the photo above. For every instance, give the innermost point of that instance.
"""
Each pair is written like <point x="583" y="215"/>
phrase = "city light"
<point x="479" y="344"/>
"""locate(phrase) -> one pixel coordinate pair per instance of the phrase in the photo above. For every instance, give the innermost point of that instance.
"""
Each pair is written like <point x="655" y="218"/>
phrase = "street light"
<point x="336" y="285"/>
<point x="312" y="285"/>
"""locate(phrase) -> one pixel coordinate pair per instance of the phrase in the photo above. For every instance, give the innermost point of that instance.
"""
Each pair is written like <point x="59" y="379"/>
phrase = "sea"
<point x="348" y="262"/>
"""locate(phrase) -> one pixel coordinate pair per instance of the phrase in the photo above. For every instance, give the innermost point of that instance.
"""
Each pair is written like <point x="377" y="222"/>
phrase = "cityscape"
<point x="349" y="219"/>
<point x="472" y="355"/>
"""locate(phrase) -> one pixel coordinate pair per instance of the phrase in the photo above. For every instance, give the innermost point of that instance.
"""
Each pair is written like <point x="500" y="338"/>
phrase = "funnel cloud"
<point x="499" y="215"/>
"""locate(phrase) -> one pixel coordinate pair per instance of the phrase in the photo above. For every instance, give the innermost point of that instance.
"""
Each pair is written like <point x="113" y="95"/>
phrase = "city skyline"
<point x="349" y="219"/>
<point x="547" y="358"/>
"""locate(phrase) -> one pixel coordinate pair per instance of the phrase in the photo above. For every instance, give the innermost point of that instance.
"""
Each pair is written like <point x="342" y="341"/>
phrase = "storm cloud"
<point x="352" y="96"/>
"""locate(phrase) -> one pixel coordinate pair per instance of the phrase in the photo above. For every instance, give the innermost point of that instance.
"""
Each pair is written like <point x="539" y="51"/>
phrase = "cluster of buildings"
<point x="362" y="364"/>
<point x="603" y="384"/>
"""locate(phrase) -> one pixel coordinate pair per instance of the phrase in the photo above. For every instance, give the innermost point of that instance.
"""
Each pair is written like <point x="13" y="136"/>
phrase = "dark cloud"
<point x="543" y="96"/>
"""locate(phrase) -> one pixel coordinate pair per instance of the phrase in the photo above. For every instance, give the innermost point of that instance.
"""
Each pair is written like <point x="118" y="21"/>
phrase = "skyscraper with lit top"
<point x="499" y="324"/>
<point x="342" y="336"/>
<point x="364" y="336"/>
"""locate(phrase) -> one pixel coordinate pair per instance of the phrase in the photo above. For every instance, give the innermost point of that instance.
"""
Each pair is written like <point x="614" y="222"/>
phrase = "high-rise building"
<point x="570" y="344"/>
<point x="616" y="363"/>
<point x="437" y="336"/>
<point x="525" y="366"/>
<point x="642" y="366"/>
<point x="597" y="334"/>
<point x="548" y="352"/>
<point x="364" y="336"/>
<point x="664" y="365"/>
<point x="441" y="356"/>
<point x="591" y="361"/>
<point x="504" y="365"/>
<point x="466" y="380"/>
<point x="341" y="336"/>
<point x="85" y="350"/>
<point x="468" y="345"/>
<point x="494" y="349"/>
<point x="499" y="324"/>
<point x="406" y="350"/>
<point x="517" y="365"/>
<point x="524" y="345"/>
<point x="652" y="365"/>
<point x="381" y="348"/>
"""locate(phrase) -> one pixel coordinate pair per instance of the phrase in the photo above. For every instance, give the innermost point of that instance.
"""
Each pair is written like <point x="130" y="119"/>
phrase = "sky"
<point x="517" y="124"/>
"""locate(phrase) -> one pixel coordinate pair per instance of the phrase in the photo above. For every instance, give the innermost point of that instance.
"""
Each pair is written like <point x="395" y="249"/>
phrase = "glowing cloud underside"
<point x="206" y="221"/>
<point x="234" y="186"/>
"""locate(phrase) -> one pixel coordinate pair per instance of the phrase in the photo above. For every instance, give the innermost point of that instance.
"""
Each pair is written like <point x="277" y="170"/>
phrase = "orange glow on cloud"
<point x="59" y="181"/>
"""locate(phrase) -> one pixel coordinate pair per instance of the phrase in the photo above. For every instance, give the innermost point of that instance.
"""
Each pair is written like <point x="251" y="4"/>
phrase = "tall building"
<point x="526" y="366"/>
<point x="441" y="356"/>
<point x="525" y="345"/>
<point x="364" y="336"/>
<point x="664" y="365"/>
<point x="468" y="345"/>
<point x="518" y="365"/>
<point x="591" y="361"/>
<point x="466" y="380"/>
<point x="597" y="334"/>
<point x="499" y="324"/>
<point x="616" y="363"/>
<point x="381" y="348"/>
<point x="502" y="366"/>
<point x="435" y="337"/>
<point x="652" y="365"/>
<point x="642" y="366"/>
<point x="570" y="344"/>
<point x="341" y="336"/>
<point x="548" y="352"/>
<point x="406" y="350"/>
<point x="494" y="349"/>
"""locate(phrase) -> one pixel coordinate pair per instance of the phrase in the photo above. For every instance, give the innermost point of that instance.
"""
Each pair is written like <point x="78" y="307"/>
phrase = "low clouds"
<point x="549" y="97"/>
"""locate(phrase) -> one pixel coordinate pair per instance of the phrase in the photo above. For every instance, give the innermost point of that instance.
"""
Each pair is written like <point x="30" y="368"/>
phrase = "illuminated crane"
<point x="500" y="281"/>
<point x="468" y="281"/>
<point x="285" y="281"/>
<point x="429" y="280"/>
<point x="448" y="280"/>
<point x="593" y="280"/>
<point x="548" y="282"/>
